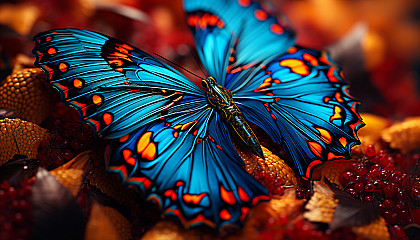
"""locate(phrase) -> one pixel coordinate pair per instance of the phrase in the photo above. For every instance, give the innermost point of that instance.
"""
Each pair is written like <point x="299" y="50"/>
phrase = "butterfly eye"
<point x="205" y="84"/>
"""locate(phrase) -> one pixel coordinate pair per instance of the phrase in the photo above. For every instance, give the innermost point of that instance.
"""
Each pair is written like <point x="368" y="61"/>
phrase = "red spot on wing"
<point x="193" y="198"/>
<point x="227" y="196"/>
<point x="343" y="141"/>
<point x="244" y="213"/>
<point x="126" y="153"/>
<point x="292" y="49"/>
<point x="331" y="76"/>
<point x="145" y="181"/>
<point x="338" y="97"/>
<point x="257" y="199"/>
<point x="179" y="183"/>
<point x="225" y="215"/>
<point x="63" y="88"/>
<point x="49" y="38"/>
<point x="276" y="28"/>
<point x="107" y="118"/>
<point x="244" y="3"/>
<point x="260" y="14"/>
<point x="311" y="59"/>
<point x="94" y="122"/>
<point x="243" y="195"/>
<point x="77" y="83"/>
<point x="199" y="219"/>
<point x="121" y="169"/>
<point x="171" y="194"/>
<point x="123" y="138"/>
<point x="311" y="166"/>
<point x="332" y="156"/>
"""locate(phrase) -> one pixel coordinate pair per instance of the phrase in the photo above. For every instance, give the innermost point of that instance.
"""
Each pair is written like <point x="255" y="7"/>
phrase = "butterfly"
<point x="172" y="140"/>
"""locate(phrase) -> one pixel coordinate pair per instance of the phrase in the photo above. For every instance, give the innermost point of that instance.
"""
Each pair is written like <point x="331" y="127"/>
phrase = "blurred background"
<point x="376" y="42"/>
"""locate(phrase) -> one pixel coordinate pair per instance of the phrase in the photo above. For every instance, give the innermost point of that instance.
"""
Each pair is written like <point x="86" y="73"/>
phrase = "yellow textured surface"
<point x="99" y="226"/>
<point x="333" y="169"/>
<point x="71" y="173"/>
<point x="404" y="136"/>
<point x="373" y="231"/>
<point x="271" y="164"/>
<point x="321" y="206"/>
<point x="69" y="178"/>
<point x="374" y="125"/>
<point x="170" y="230"/>
<point x="23" y="93"/>
<point x="27" y="135"/>
<point x="122" y="225"/>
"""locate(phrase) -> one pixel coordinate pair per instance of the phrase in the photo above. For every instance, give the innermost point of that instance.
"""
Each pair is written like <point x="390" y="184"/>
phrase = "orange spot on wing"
<point x="96" y="99"/>
<point x="343" y="141"/>
<point x="176" y="134"/>
<point x="194" y="198"/>
<point x="315" y="148"/>
<point x="337" y="114"/>
<point x="63" y="67"/>
<point x="52" y="51"/>
<point x="186" y="125"/>
<point x="275" y="28"/>
<point x="243" y="195"/>
<point x="150" y="152"/>
<point x="325" y="135"/>
<point x="77" y="83"/>
<point x="332" y="156"/>
<point x="131" y="161"/>
<point x="143" y="142"/>
<point x="326" y="99"/>
<point x="260" y="14"/>
<point x="225" y="215"/>
<point x="227" y="196"/>
<point x="311" y="166"/>
<point x="107" y="118"/>
<point x="297" y="66"/>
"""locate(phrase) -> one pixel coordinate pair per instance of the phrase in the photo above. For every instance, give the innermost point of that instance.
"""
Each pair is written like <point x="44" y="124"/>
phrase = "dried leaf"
<point x="20" y="137"/>
<point x="404" y="136"/>
<point x="322" y="205"/>
<point x="24" y="93"/>
<point x="351" y="211"/>
<point x="373" y="231"/>
<point x="56" y="212"/>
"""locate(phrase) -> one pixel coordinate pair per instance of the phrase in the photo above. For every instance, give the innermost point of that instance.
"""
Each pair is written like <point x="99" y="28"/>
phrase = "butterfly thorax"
<point x="221" y="100"/>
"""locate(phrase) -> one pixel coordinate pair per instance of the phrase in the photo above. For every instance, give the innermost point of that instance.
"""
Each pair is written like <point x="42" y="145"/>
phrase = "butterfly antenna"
<point x="196" y="60"/>
<point x="178" y="66"/>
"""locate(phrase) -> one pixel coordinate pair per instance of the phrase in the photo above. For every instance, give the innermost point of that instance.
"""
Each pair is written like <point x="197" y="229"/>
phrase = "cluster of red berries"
<point x="269" y="181"/>
<point x="285" y="228"/>
<point x="15" y="211"/>
<point x="377" y="180"/>
<point x="70" y="138"/>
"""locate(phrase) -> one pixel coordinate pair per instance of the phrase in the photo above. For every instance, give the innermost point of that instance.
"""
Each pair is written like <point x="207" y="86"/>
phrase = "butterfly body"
<point x="221" y="100"/>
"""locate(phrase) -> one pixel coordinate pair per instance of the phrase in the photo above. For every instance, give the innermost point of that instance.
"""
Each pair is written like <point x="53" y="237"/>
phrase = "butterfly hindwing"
<point x="234" y="35"/>
<point x="302" y="102"/>
<point x="167" y="141"/>
<point x="195" y="171"/>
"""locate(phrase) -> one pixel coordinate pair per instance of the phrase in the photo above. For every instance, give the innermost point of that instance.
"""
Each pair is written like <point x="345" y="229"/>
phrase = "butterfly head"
<point x="208" y="83"/>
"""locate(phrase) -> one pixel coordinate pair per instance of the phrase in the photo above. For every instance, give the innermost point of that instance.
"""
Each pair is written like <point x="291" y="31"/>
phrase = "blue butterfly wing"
<point x="302" y="102"/>
<point x="167" y="140"/>
<point x="102" y="77"/>
<point x="196" y="173"/>
<point x="234" y="35"/>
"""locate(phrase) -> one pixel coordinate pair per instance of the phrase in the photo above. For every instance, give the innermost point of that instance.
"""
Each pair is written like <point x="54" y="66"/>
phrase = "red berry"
<point x="390" y="191"/>
<point x="359" y="187"/>
<point x="370" y="187"/>
<point x="347" y="179"/>
<point x="370" y="151"/>
<point x="369" y="199"/>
